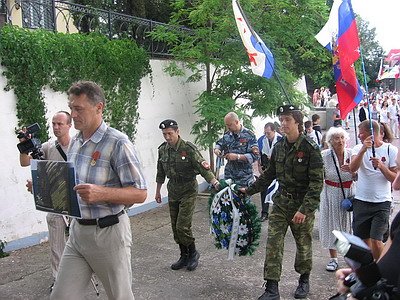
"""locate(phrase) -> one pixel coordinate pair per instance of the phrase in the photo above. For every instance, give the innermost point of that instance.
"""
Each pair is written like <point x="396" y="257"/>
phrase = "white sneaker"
<point x="332" y="266"/>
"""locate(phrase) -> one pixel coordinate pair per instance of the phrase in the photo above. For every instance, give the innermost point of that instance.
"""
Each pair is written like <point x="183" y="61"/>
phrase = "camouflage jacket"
<point x="243" y="143"/>
<point x="299" y="170"/>
<point x="181" y="163"/>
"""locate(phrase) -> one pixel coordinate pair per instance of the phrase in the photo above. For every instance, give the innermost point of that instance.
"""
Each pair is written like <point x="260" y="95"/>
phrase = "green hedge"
<point x="35" y="59"/>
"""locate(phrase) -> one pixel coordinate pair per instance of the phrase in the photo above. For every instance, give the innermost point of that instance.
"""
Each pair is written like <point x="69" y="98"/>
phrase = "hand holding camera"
<point x="28" y="144"/>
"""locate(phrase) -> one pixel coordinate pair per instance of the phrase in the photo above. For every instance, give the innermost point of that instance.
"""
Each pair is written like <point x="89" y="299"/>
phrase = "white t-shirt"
<point x="372" y="186"/>
<point x="384" y="115"/>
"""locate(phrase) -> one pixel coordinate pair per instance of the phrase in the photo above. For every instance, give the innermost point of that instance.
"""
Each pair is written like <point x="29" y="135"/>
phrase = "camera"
<point x="366" y="282"/>
<point x="31" y="144"/>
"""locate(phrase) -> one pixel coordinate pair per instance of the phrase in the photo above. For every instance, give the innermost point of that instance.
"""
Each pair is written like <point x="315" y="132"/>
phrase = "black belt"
<point x="102" y="222"/>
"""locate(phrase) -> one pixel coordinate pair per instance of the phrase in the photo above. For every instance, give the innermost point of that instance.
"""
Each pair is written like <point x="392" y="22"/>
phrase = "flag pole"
<point x="355" y="125"/>
<point x="366" y="91"/>
<point x="262" y="48"/>
<point x="369" y="109"/>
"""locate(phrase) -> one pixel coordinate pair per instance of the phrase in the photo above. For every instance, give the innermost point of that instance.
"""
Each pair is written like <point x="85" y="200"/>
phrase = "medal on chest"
<point x="242" y="141"/>
<point x="95" y="157"/>
<point x="300" y="156"/>
<point x="183" y="155"/>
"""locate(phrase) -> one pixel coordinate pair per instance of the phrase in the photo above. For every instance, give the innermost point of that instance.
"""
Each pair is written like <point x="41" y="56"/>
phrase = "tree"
<point x="206" y="42"/>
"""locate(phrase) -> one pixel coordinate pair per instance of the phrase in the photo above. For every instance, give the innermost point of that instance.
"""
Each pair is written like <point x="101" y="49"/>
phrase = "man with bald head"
<point x="52" y="150"/>
<point x="240" y="148"/>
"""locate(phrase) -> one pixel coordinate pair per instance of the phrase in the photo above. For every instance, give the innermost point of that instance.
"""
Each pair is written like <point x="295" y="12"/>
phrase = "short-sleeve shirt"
<point x="372" y="185"/>
<point x="181" y="163"/>
<point x="116" y="165"/>
<point x="241" y="143"/>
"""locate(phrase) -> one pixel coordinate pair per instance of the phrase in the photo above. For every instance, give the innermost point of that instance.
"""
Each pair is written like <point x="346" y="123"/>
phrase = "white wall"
<point x="161" y="98"/>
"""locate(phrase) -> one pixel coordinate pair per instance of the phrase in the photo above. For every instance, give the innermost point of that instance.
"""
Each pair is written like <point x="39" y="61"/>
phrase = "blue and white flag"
<point x="261" y="58"/>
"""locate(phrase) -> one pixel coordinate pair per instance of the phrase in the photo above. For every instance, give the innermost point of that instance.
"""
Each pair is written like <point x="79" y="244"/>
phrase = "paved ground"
<point x="26" y="273"/>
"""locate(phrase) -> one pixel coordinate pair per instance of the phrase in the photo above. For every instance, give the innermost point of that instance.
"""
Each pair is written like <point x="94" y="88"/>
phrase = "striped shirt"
<point x="108" y="159"/>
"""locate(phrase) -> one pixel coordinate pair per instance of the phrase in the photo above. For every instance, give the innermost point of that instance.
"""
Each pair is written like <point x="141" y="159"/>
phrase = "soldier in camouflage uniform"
<point x="180" y="161"/>
<point x="239" y="146"/>
<point x="296" y="163"/>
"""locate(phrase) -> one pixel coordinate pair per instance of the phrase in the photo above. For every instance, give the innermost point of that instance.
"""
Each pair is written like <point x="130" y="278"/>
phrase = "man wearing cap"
<point x="180" y="161"/>
<point x="240" y="148"/>
<point x="296" y="163"/>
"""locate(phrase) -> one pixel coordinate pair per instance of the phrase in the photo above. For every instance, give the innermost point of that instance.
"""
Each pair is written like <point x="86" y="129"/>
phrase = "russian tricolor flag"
<point x="340" y="36"/>
<point x="261" y="59"/>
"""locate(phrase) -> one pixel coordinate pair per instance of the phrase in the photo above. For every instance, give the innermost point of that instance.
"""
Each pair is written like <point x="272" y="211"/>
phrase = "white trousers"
<point x="56" y="225"/>
<point x="104" y="251"/>
<point x="394" y="126"/>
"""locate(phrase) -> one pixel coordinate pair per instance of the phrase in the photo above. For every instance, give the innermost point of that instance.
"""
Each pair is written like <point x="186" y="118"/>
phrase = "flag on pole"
<point x="261" y="58"/>
<point x="340" y="36"/>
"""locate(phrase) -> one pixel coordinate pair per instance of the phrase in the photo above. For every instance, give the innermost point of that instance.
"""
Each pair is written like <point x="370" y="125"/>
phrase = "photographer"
<point x="61" y="124"/>
<point x="388" y="264"/>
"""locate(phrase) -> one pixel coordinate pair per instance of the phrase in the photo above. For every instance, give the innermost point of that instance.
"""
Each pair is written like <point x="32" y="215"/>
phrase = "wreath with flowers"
<point x="235" y="225"/>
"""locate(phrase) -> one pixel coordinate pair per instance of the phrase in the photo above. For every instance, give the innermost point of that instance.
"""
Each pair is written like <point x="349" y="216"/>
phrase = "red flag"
<point x="341" y="37"/>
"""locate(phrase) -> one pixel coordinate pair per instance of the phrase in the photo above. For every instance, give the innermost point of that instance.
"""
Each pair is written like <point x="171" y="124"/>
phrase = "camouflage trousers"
<point x="280" y="219"/>
<point x="181" y="201"/>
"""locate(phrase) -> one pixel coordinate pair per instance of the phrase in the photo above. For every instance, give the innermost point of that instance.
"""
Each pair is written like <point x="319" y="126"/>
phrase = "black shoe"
<point x="303" y="288"/>
<point x="183" y="260"/>
<point x="271" y="291"/>
<point x="193" y="258"/>
<point x="264" y="217"/>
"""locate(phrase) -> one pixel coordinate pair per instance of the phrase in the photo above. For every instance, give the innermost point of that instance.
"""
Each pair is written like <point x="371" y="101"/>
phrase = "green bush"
<point x="35" y="59"/>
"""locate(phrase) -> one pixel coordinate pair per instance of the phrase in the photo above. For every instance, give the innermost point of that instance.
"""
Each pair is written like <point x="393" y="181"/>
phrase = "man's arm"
<point x="253" y="152"/>
<point x="356" y="160"/>
<point x="158" y="192"/>
<point x="25" y="159"/>
<point x="316" y="176"/>
<point x="92" y="193"/>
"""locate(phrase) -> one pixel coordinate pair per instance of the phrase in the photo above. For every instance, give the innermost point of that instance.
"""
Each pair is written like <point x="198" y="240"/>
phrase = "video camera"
<point x="30" y="145"/>
<point x="366" y="282"/>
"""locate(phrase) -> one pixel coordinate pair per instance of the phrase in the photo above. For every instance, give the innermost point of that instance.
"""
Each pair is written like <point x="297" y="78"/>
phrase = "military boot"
<point x="271" y="291"/>
<point x="303" y="288"/>
<point x="183" y="260"/>
<point x="193" y="259"/>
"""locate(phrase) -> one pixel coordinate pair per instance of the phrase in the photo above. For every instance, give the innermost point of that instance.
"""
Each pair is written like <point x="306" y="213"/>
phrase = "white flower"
<point x="225" y="200"/>
<point x="241" y="242"/>
<point x="237" y="251"/>
<point x="217" y="209"/>
<point x="224" y="229"/>
<point x="242" y="229"/>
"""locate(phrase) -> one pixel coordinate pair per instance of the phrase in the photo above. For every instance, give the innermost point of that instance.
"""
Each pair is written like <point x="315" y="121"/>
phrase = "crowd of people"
<point x="321" y="97"/>
<point x="364" y="173"/>
<point x="308" y="170"/>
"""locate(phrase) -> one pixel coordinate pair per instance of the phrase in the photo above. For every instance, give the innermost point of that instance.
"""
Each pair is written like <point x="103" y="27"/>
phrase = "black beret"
<point x="168" y="124"/>
<point x="284" y="109"/>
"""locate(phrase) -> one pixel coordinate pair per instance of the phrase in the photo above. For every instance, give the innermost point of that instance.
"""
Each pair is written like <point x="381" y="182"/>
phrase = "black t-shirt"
<point x="389" y="264"/>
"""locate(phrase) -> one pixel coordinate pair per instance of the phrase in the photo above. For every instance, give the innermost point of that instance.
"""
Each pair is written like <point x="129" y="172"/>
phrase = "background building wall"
<point x="161" y="97"/>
